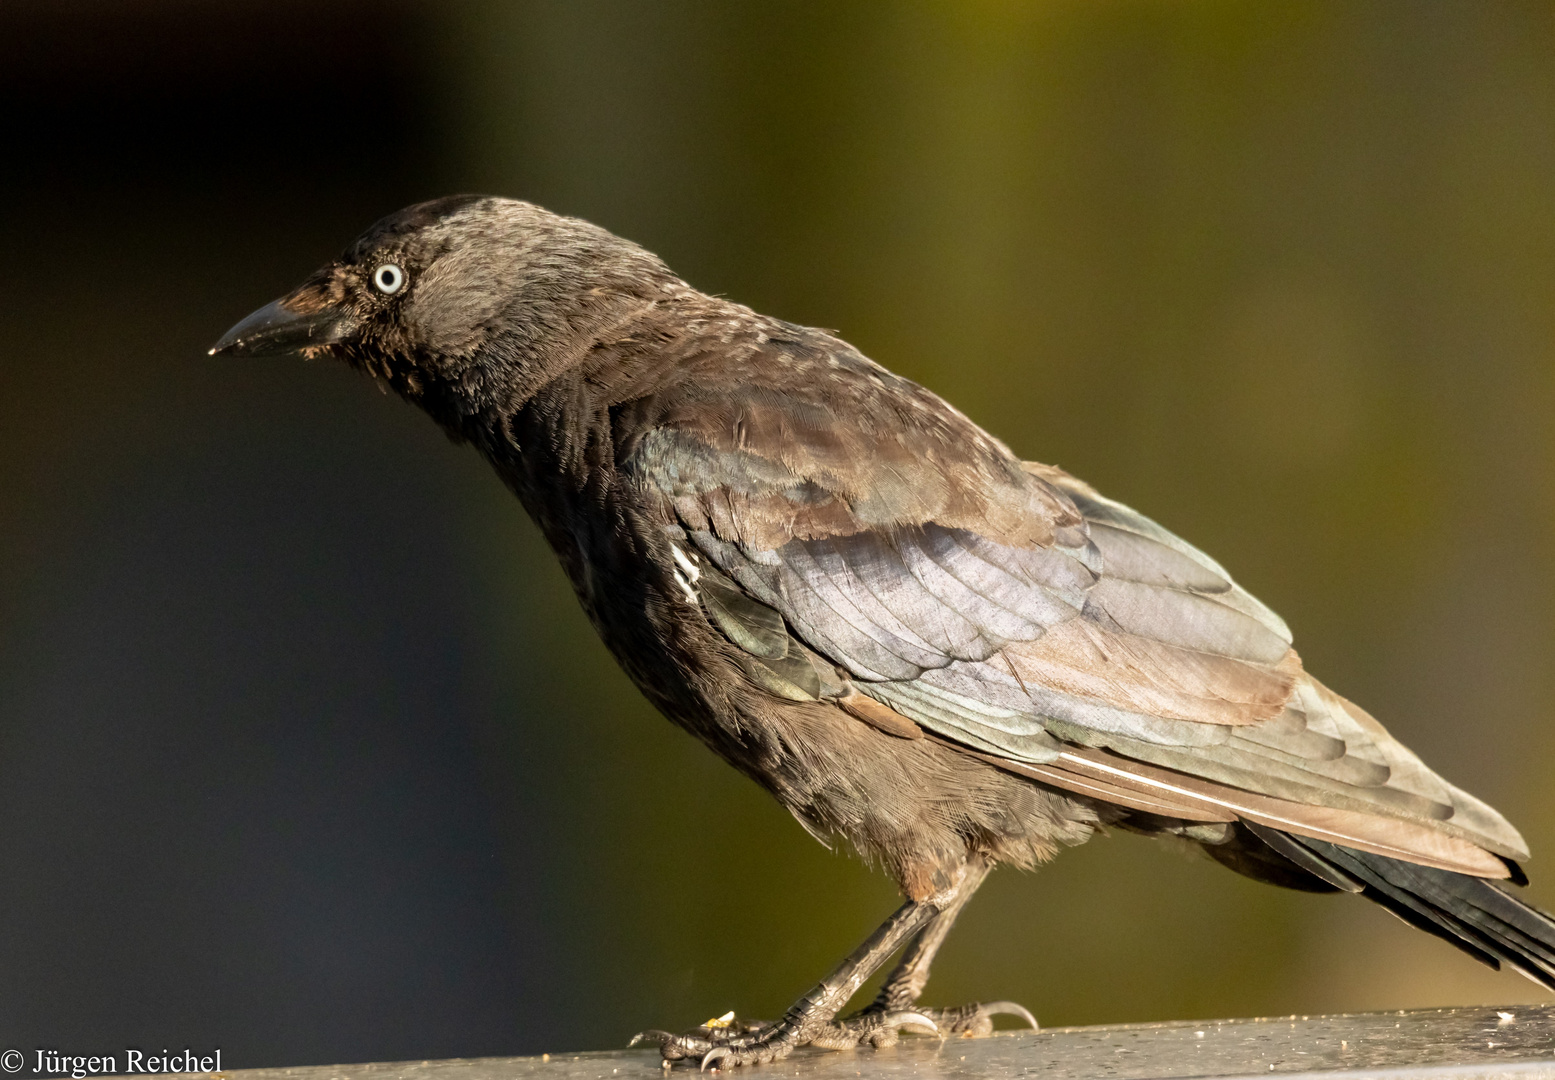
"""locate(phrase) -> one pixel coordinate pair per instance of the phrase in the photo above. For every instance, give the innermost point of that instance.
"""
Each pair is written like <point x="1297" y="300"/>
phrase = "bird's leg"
<point x="902" y="988"/>
<point x="906" y="983"/>
<point x="810" y="1018"/>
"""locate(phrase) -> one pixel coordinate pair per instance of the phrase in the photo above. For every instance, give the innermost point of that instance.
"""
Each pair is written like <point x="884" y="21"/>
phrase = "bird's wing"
<point x="893" y="555"/>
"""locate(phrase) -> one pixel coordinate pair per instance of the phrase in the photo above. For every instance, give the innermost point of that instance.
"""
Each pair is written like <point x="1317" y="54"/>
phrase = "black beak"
<point x="275" y="329"/>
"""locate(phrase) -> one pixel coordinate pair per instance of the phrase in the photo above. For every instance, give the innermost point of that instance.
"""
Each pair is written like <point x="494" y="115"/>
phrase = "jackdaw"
<point x="867" y="604"/>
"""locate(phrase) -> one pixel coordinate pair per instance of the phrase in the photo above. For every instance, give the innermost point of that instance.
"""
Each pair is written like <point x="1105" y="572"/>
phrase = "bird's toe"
<point x="974" y="1021"/>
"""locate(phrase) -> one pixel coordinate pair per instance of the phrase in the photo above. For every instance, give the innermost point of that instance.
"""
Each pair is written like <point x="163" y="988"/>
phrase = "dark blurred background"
<point x="305" y="749"/>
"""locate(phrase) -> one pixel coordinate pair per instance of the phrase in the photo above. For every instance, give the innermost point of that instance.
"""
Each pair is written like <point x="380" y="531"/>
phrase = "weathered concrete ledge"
<point x="1436" y="1044"/>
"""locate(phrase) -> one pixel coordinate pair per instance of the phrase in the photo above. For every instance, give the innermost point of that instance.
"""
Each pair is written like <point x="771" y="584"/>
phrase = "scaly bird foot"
<point x="723" y="1031"/>
<point x="967" y="1022"/>
<point x="877" y="1028"/>
<point x="728" y="1042"/>
<point x="976" y="1020"/>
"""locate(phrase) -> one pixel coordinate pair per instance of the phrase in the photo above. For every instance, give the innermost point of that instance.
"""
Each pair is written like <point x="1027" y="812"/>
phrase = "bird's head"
<point x="466" y="304"/>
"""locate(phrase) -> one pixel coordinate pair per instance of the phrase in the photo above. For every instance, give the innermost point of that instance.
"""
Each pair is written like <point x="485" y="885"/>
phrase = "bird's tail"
<point x="1477" y="915"/>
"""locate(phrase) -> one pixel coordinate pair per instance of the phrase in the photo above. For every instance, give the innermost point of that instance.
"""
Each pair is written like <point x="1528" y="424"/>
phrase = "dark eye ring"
<point x="388" y="279"/>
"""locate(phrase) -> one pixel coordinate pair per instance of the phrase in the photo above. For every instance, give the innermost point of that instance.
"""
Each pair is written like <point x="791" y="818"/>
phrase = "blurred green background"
<point x="305" y="748"/>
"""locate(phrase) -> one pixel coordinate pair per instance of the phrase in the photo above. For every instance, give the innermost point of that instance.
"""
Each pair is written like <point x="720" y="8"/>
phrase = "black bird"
<point x="871" y="607"/>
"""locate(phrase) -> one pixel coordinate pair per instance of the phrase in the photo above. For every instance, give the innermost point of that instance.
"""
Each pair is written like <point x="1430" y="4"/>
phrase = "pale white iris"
<point x="388" y="279"/>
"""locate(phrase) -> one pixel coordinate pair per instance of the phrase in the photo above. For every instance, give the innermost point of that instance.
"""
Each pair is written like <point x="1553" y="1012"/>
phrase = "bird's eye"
<point x="388" y="279"/>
